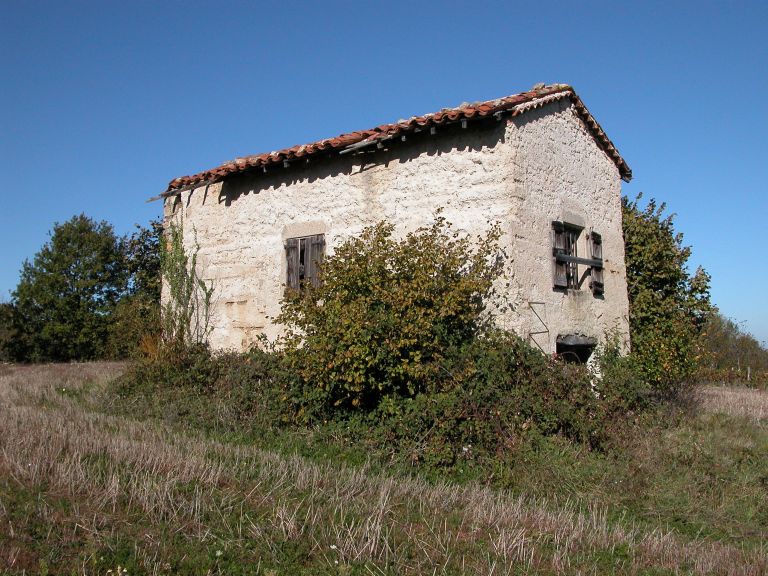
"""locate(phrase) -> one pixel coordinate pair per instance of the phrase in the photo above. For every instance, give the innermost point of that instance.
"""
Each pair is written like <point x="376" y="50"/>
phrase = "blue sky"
<point x="102" y="103"/>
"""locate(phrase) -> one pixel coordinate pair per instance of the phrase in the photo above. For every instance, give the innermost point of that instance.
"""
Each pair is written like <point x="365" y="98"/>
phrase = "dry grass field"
<point x="750" y="403"/>
<point x="83" y="490"/>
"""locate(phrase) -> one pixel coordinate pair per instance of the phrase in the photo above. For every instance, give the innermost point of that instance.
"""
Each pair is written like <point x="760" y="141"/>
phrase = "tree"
<point x="667" y="305"/>
<point x="6" y="329"/>
<point x="135" y="323"/>
<point x="387" y="312"/>
<point x="65" y="296"/>
<point x="141" y="253"/>
<point x="730" y="353"/>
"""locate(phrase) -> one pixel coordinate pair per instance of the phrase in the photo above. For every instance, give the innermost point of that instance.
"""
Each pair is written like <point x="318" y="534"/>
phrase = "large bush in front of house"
<point x="497" y="394"/>
<point x="667" y="304"/>
<point x="388" y="313"/>
<point x="403" y="330"/>
<point x="396" y="350"/>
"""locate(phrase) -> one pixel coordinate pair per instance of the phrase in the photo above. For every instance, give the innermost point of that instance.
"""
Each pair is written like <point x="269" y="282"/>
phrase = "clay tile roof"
<point x="512" y="105"/>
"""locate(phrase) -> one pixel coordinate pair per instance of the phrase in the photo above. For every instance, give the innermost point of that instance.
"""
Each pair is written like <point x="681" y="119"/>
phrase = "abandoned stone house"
<point x="536" y="162"/>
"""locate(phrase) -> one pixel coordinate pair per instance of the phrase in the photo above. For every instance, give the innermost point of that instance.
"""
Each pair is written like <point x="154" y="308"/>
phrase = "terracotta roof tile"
<point x="513" y="105"/>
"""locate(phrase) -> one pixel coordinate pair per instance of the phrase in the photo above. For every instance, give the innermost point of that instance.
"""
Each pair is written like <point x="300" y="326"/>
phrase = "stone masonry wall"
<point x="525" y="172"/>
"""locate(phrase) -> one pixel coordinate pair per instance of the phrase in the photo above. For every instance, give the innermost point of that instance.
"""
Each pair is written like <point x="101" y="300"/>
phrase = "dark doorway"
<point x="575" y="348"/>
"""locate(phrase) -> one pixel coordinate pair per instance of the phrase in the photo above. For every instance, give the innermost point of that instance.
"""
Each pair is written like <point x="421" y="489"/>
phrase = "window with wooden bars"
<point x="565" y="247"/>
<point x="566" y="260"/>
<point x="304" y="256"/>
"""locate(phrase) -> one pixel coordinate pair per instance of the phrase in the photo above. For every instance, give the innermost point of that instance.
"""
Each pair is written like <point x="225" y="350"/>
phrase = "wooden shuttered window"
<point x="560" y="269"/>
<point x="566" y="260"/>
<point x="313" y="248"/>
<point x="596" y="273"/>
<point x="303" y="259"/>
<point x="564" y="243"/>
<point x="292" y="258"/>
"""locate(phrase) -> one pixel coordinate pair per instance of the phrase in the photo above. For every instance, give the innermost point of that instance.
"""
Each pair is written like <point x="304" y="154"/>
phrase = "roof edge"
<point x="511" y="105"/>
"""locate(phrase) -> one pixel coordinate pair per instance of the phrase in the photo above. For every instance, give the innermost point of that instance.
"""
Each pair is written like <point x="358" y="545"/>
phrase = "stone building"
<point x="537" y="162"/>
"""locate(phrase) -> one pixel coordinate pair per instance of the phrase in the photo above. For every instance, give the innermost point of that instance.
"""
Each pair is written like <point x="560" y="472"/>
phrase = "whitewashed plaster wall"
<point x="524" y="173"/>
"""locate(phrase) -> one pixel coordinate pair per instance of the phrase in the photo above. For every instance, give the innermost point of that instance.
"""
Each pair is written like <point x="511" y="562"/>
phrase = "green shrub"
<point x="399" y="342"/>
<point x="386" y="314"/>
<point x="622" y="386"/>
<point x="222" y="391"/>
<point x="667" y="305"/>
<point x="135" y="326"/>
<point x="498" y="393"/>
<point x="495" y="395"/>
<point x="192" y="367"/>
<point x="397" y="351"/>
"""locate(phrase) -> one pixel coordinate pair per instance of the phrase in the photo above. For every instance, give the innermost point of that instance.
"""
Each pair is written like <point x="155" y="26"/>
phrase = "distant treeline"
<point x="729" y="354"/>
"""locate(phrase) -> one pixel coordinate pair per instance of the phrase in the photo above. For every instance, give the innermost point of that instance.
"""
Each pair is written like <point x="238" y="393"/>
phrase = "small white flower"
<point x="334" y="547"/>
<point x="219" y="553"/>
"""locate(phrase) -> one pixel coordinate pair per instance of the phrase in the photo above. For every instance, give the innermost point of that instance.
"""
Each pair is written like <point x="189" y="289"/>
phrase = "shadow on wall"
<point x="480" y="134"/>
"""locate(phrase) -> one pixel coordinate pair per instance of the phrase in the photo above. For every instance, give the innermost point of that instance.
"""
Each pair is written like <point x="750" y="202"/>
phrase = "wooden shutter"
<point x="303" y="253"/>
<point x="560" y="269"/>
<point x="596" y="274"/>
<point x="292" y="259"/>
<point x="310" y="262"/>
<point x="314" y="258"/>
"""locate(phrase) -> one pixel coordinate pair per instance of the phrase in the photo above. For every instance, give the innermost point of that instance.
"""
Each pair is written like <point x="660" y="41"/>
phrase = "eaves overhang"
<point x="387" y="134"/>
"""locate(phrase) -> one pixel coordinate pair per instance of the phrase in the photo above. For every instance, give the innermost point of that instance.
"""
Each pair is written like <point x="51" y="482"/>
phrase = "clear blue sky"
<point x="103" y="102"/>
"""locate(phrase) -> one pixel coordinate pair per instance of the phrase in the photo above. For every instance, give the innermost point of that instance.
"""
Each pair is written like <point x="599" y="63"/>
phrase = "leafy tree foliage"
<point x="141" y="255"/>
<point x="135" y="323"/>
<point x="667" y="305"/>
<point x="730" y="354"/>
<point x="388" y="312"/>
<point x="6" y="329"/>
<point x="66" y="294"/>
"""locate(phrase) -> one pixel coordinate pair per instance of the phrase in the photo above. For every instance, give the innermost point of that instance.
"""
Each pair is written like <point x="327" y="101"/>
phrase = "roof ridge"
<point x="515" y="104"/>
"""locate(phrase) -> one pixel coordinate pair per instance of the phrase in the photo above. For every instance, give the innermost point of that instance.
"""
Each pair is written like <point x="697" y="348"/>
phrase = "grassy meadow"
<point x="90" y="481"/>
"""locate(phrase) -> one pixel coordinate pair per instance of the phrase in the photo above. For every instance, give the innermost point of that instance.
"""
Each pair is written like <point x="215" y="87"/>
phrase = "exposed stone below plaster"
<point x="524" y="173"/>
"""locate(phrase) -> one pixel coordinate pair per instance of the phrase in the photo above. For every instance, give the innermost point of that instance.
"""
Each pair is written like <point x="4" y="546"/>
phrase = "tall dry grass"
<point x="119" y="472"/>
<point x="750" y="403"/>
